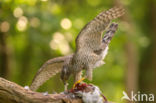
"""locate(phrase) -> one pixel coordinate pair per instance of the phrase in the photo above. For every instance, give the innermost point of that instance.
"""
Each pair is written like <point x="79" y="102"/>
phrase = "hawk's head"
<point x="65" y="74"/>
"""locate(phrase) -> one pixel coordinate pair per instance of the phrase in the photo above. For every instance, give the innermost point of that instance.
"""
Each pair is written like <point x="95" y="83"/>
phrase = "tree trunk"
<point x="148" y="62"/>
<point x="4" y="56"/>
<point x="131" y="73"/>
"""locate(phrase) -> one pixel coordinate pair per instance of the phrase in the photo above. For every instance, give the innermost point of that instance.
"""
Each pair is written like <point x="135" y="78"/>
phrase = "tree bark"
<point x="12" y="93"/>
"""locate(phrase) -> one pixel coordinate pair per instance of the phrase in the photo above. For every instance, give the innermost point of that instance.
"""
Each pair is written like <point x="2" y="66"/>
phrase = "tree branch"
<point x="12" y="93"/>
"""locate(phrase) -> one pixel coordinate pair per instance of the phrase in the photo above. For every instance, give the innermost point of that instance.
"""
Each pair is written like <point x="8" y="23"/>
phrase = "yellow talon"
<point x="79" y="81"/>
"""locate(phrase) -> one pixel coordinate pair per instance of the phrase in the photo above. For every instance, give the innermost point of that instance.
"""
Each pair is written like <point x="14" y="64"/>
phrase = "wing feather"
<point x="48" y="70"/>
<point x="96" y="27"/>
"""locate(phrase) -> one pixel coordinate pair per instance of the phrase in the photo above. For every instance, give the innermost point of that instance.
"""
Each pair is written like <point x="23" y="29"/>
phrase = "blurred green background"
<point x="33" y="31"/>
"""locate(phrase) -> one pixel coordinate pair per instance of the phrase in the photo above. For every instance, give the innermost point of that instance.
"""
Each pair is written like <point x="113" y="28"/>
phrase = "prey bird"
<point x="91" y="49"/>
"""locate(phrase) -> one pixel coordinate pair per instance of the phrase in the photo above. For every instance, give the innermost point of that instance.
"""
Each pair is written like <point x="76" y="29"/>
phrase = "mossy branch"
<point x="13" y="93"/>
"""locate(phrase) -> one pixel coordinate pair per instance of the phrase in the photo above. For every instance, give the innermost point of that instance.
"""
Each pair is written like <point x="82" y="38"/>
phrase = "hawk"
<point x="91" y="49"/>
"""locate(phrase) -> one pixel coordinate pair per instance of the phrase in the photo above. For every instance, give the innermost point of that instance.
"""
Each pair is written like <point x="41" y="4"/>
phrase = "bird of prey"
<point x="91" y="49"/>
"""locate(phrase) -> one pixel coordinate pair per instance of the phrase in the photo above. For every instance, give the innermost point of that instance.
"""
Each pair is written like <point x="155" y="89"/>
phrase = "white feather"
<point x="103" y="55"/>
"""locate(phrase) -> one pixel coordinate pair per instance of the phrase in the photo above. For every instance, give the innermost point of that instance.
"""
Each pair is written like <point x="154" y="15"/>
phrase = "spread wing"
<point x="110" y="33"/>
<point x="49" y="69"/>
<point x="96" y="27"/>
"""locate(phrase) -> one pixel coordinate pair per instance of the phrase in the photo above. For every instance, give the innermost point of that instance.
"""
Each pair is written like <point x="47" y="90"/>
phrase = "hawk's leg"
<point x="89" y="72"/>
<point x="79" y="81"/>
<point x="77" y="76"/>
<point x="66" y="86"/>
